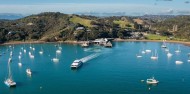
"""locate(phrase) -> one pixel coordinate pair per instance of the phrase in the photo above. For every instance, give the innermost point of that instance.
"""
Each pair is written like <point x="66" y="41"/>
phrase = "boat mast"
<point x="9" y="69"/>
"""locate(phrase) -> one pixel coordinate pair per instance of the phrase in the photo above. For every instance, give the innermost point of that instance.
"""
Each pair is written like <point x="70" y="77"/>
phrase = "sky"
<point x="123" y="7"/>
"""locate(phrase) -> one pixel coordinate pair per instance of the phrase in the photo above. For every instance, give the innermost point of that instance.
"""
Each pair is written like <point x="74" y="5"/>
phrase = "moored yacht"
<point x="143" y="52"/>
<point x="58" y="51"/>
<point x="147" y="51"/>
<point x="178" y="62"/>
<point x="9" y="81"/>
<point x="76" y="64"/>
<point x="20" y="64"/>
<point x="164" y="44"/>
<point x="169" y="54"/>
<point x="28" y="71"/>
<point x="55" y="59"/>
<point x="155" y="56"/>
<point x="178" y="50"/>
<point x="188" y="60"/>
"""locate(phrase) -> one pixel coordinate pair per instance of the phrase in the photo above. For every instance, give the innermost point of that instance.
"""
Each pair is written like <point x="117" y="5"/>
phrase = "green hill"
<point x="55" y="26"/>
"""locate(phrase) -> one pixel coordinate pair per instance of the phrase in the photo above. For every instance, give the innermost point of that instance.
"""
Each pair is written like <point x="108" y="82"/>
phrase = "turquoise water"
<point x="114" y="70"/>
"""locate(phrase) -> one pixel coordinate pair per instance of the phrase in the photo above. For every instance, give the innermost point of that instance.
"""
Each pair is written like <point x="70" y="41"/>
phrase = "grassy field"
<point x="123" y="24"/>
<point x="82" y="21"/>
<point x="155" y="37"/>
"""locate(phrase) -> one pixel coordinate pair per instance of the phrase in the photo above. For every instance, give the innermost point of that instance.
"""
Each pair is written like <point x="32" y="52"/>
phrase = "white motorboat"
<point x="152" y="81"/>
<point x="76" y="64"/>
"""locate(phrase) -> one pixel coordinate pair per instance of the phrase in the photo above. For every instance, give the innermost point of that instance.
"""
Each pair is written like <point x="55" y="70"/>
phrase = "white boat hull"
<point x="20" y="64"/>
<point x="152" y="82"/>
<point x="178" y="62"/>
<point x="188" y="60"/>
<point x="55" y="60"/>
<point x="10" y="83"/>
<point x="154" y="58"/>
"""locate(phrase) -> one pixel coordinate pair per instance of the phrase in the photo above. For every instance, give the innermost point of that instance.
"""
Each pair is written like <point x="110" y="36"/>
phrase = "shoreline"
<point x="167" y="41"/>
<point x="79" y="42"/>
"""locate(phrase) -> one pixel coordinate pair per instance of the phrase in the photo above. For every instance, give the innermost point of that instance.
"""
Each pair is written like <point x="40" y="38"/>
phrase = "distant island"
<point x="55" y="26"/>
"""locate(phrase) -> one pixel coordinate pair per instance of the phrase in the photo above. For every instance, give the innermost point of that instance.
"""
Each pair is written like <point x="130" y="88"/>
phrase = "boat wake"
<point x="90" y="57"/>
<point x="92" y="50"/>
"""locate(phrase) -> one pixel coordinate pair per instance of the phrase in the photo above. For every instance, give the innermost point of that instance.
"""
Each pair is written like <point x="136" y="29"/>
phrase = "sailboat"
<point x="59" y="46"/>
<point x="41" y="51"/>
<point x="55" y="59"/>
<point x="178" y="50"/>
<point x="139" y="55"/>
<point x="59" y="49"/>
<point x="155" y="56"/>
<point x="85" y="43"/>
<point x="147" y="51"/>
<point x="31" y="55"/>
<point x="19" y="64"/>
<point x="152" y="81"/>
<point x="143" y="52"/>
<point x="164" y="44"/>
<point x="9" y="81"/>
<point x="28" y="71"/>
<point x="24" y="50"/>
<point x="169" y="54"/>
<point x="188" y="59"/>
<point x="167" y="50"/>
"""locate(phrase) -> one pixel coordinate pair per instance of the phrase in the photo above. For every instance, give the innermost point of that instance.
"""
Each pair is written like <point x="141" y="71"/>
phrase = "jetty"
<point x="106" y="42"/>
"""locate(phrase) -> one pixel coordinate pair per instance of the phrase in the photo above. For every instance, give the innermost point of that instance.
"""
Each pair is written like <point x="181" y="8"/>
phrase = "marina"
<point x="117" y="70"/>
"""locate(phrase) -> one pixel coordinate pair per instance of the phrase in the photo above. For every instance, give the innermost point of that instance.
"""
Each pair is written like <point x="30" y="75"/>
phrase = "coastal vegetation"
<point x="55" y="26"/>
